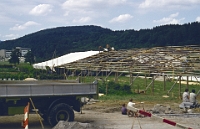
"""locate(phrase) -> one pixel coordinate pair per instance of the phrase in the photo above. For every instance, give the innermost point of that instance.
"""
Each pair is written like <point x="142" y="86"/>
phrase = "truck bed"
<point x="45" y="88"/>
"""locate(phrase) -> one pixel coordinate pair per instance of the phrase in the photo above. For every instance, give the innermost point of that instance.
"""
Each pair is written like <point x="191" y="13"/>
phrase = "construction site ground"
<point x="108" y="116"/>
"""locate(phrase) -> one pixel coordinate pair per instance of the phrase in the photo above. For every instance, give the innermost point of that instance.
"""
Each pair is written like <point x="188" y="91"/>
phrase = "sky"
<point x="21" y="17"/>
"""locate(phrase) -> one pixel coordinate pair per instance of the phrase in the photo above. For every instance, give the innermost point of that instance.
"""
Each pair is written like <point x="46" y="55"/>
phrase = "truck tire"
<point x="59" y="112"/>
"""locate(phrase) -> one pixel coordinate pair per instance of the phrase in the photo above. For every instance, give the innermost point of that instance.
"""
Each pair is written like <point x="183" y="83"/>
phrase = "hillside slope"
<point x="63" y="40"/>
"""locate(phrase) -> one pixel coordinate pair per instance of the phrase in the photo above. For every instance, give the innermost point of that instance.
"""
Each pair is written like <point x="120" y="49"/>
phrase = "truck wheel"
<point x="60" y="112"/>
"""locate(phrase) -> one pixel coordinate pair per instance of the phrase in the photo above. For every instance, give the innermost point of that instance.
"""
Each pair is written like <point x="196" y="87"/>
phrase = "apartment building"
<point x="5" y="54"/>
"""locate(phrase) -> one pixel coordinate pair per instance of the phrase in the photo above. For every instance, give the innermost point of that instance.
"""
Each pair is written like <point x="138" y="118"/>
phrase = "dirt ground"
<point x="106" y="116"/>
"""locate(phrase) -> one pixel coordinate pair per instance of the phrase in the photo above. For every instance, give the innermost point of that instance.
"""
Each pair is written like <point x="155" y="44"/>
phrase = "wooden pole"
<point x="180" y="87"/>
<point x="116" y="76"/>
<point x="106" y="83"/>
<point x="164" y="86"/>
<point x="187" y="82"/>
<point x="37" y="113"/>
<point x="81" y="76"/>
<point x="153" y="85"/>
<point x="145" y="80"/>
<point x="106" y="89"/>
<point x="131" y="78"/>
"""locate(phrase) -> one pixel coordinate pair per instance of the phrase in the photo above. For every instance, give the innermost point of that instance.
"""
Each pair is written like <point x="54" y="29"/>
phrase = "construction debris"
<point x="161" y="109"/>
<point x="76" y="125"/>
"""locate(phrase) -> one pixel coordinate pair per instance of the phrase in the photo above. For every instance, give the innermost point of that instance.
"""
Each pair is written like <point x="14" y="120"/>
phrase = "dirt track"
<point x="108" y="117"/>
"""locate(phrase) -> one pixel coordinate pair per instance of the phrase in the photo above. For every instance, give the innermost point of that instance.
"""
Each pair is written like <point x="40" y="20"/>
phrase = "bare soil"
<point x="108" y="116"/>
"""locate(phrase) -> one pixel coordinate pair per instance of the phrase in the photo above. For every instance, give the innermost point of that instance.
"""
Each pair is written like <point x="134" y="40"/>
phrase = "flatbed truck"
<point x="54" y="100"/>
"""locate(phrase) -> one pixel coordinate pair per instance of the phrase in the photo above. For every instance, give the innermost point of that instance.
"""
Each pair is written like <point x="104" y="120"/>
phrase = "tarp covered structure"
<point x="62" y="60"/>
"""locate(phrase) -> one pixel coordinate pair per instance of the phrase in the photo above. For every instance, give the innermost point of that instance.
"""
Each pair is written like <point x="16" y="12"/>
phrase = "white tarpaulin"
<point x="68" y="58"/>
<point x="190" y="78"/>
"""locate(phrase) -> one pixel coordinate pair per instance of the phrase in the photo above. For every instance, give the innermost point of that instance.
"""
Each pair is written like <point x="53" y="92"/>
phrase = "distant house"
<point x="5" y="54"/>
<point x="23" y="50"/>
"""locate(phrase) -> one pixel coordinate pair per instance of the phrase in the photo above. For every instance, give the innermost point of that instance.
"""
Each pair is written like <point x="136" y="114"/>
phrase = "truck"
<point x="54" y="100"/>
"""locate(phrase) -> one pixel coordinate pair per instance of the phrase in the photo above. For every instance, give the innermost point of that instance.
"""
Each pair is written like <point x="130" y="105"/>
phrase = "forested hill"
<point x="82" y="38"/>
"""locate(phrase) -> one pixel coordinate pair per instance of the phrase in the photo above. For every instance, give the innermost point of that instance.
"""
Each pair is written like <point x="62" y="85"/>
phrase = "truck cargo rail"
<point x="46" y="88"/>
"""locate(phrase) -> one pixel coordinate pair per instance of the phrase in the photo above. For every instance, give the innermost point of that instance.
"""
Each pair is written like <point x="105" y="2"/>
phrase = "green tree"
<point x="14" y="59"/>
<point x="29" y="57"/>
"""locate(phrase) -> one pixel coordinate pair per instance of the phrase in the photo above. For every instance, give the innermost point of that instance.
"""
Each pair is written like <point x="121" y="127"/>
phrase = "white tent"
<point x="68" y="58"/>
<point x="190" y="78"/>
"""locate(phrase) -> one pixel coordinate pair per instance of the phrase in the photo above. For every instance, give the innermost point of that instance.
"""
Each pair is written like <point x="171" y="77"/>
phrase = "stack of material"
<point x="75" y="125"/>
<point x="161" y="109"/>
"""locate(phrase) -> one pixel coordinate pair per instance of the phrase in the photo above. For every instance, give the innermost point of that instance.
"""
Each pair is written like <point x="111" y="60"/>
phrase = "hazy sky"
<point x="22" y="17"/>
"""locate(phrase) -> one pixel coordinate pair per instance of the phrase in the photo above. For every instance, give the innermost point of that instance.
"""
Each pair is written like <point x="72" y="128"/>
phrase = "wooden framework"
<point x="182" y="60"/>
<point x="166" y="61"/>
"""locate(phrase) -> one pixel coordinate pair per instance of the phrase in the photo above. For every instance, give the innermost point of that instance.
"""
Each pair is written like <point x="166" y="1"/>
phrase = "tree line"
<point x="64" y="40"/>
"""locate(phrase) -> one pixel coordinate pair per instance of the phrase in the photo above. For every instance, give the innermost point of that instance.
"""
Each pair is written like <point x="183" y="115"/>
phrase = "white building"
<point x="5" y="54"/>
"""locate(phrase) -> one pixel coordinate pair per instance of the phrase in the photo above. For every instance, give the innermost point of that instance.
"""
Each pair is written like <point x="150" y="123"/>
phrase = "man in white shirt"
<point x="186" y="104"/>
<point x="130" y="103"/>
<point x="186" y="96"/>
<point x="131" y="113"/>
<point x="193" y="97"/>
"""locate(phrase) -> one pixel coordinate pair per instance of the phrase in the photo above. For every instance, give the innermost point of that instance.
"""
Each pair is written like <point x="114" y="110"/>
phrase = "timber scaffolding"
<point x="176" y="61"/>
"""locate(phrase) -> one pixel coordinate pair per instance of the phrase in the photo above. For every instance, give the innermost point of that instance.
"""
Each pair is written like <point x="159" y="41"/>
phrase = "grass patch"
<point x="150" y="96"/>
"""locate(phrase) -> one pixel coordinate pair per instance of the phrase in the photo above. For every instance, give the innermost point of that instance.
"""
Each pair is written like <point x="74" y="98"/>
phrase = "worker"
<point x="193" y="97"/>
<point x="124" y="109"/>
<point x="130" y="103"/>
<point x="129" y="112"/>
<point x="186" y="104"/>
<point x="186" y="96"/>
